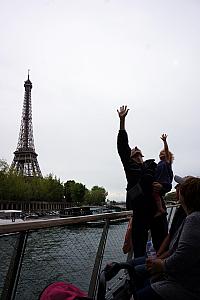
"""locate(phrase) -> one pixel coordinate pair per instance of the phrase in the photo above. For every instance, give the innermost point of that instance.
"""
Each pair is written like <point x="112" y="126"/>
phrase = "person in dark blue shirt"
<point x="164" y="174"/>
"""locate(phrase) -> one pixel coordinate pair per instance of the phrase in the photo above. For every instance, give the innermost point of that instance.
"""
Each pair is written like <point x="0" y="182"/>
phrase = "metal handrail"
<point x="36" y="224"/>
<point x="98" y="262"/>
<point x="11" y="282"/>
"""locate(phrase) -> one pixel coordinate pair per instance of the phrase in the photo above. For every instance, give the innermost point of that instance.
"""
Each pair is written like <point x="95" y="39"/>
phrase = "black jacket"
<point x="135" y="172"/>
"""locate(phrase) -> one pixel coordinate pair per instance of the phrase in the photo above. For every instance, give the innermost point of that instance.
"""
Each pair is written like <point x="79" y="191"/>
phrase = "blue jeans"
<point x="141" y="273"/>
<point x="144" y="290"/>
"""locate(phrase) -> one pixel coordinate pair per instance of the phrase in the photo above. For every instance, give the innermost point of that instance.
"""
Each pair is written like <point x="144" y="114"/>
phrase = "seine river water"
<point x="63" y="253"/>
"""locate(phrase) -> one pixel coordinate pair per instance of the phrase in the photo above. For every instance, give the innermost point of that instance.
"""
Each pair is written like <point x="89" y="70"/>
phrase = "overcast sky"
<point x="88" y="57"/>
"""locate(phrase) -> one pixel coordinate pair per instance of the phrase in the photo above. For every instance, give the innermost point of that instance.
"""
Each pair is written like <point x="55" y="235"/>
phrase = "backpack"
<point x="63" y="291"/>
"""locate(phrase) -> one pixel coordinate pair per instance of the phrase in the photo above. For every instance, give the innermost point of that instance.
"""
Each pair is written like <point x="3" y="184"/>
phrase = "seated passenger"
<point x="168" y="245"/>
<point x="182" y="268"/>
<point x="179" y="216"/>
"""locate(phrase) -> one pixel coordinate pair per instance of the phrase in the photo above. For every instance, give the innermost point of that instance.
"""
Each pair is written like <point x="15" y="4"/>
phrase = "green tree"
<point x="3" y="177"/>
<point x="78" y="193"/>
<point x="15" y="187"/>
<point x="96" y="196"/>
<point x="55" y="190"/>
<point x="4" y="167"/>
<point x="68" y="190"/>
<point x="74" y="192"/>
<point x="170" y="197"/>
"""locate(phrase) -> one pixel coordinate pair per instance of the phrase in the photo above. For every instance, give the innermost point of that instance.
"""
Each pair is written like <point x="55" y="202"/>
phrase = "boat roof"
<point x="77" y="207"/>
<point x="8" y="211"/>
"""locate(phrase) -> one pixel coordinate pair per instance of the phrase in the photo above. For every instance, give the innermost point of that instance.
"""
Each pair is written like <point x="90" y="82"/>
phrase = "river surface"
<point x="60" y="253"/>
<point x="63" y="253"/>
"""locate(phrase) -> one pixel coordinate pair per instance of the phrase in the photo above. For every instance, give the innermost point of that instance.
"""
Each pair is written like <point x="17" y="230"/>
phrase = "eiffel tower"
<point x="25" y="158"/>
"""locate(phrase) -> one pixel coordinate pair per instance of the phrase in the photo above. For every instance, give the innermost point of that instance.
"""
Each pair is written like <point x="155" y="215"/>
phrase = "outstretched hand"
<point x="122" y="112"/>
<point x="164" y="137"/>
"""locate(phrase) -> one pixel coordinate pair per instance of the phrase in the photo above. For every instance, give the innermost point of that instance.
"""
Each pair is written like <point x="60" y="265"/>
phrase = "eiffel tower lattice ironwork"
<point x="25" y="158"/>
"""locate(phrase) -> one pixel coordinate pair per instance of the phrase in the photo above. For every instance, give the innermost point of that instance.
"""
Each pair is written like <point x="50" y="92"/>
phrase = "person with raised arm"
<point x="164" y="174"/>
<point x="141" y="183"/>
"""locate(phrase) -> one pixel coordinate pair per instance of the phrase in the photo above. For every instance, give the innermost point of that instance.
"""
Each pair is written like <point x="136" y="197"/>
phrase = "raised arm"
<point x="122" y="139"/>
<point x="166" y="148"/>
<point x="122" y="112"/>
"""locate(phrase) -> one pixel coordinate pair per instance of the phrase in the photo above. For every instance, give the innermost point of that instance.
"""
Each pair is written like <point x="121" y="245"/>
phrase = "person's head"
<point x="162" y="156"/>
<point x="179" y="180"/>
<point x="190" y="194"/>
<point x="136" y="155"/>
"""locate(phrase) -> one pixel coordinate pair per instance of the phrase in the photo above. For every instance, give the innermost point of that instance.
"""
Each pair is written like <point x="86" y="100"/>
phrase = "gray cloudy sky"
<point x="88" y="57"/>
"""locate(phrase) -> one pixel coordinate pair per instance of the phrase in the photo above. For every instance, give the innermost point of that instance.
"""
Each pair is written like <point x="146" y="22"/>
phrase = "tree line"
<point x="15" y="187"/>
